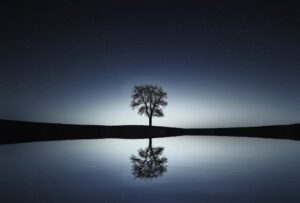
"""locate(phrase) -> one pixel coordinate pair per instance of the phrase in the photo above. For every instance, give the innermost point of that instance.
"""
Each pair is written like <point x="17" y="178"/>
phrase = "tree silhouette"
<point x="149" y="164"/>
<point x="149" y="99"/>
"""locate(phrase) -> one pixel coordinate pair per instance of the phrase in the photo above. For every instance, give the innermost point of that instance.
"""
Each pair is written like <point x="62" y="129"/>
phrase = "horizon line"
<point x="76" y="124"/>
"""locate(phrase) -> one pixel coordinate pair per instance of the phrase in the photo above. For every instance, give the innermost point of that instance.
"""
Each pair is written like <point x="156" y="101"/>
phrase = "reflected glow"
<point x="237" y="169"/>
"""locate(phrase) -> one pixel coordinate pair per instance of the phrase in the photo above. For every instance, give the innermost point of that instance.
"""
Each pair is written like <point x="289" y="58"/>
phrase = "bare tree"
<point x="149" y="99"/>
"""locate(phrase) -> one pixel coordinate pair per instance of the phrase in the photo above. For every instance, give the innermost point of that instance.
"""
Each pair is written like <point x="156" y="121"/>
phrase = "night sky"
<point x="222" y="63"/>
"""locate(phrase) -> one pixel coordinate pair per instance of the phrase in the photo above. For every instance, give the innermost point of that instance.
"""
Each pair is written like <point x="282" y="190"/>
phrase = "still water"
<point x="175" y="169"/>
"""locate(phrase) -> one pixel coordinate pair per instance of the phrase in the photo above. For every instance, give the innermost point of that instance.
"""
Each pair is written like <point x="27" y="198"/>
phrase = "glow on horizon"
<point x="75" y="65"/>
<point x="185" y="109"/>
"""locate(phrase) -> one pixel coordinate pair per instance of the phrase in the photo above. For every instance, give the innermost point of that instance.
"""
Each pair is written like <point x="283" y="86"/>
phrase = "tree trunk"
<point x="150" y="121"/>
<point x="150" y="143"/>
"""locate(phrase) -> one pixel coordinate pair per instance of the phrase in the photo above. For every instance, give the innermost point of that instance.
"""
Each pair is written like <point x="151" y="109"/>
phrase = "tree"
<point x="149" y="99"/>
<point x="149" y="163"/>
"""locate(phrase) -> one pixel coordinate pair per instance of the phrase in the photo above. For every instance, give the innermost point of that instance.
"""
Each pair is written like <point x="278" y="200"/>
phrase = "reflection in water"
<point x="205" y="169"/>
<point x="149" y="163"/>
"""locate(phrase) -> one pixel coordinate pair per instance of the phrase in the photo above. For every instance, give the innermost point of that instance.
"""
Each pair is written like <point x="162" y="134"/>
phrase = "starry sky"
<point x="222" y="63"/>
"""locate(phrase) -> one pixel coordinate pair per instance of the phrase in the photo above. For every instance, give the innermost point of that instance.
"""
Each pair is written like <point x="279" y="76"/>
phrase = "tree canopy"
<point x="149" y="99"/>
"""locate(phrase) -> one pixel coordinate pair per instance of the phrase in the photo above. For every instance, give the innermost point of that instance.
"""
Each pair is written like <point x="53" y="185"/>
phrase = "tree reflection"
<point x="149" y="163"/>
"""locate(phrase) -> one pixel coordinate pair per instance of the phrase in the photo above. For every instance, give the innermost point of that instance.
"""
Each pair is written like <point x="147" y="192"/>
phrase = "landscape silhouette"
<point x="22" y="131"/>
<point x="149" y="100"/>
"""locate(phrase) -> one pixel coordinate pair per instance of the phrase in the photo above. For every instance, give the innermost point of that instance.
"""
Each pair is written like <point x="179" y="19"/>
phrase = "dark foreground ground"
<point x="19" y="131"/>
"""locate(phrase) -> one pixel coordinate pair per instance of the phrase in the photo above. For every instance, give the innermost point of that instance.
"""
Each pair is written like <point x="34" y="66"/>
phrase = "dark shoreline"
<point x="20" y="131"/>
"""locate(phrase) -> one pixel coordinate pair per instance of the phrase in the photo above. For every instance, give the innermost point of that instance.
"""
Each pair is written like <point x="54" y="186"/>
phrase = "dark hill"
<point x="20" y="131"/>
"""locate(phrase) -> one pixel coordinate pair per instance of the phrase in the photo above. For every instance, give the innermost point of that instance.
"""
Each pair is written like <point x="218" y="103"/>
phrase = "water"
<point x="176" y="169"/>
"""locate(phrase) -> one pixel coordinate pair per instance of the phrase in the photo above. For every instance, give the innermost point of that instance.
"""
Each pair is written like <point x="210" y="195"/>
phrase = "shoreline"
<point x="23" y="131"/>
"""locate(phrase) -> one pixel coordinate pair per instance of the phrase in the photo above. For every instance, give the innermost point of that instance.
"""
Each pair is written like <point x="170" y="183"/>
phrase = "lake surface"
<point x="175" y="169"/>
